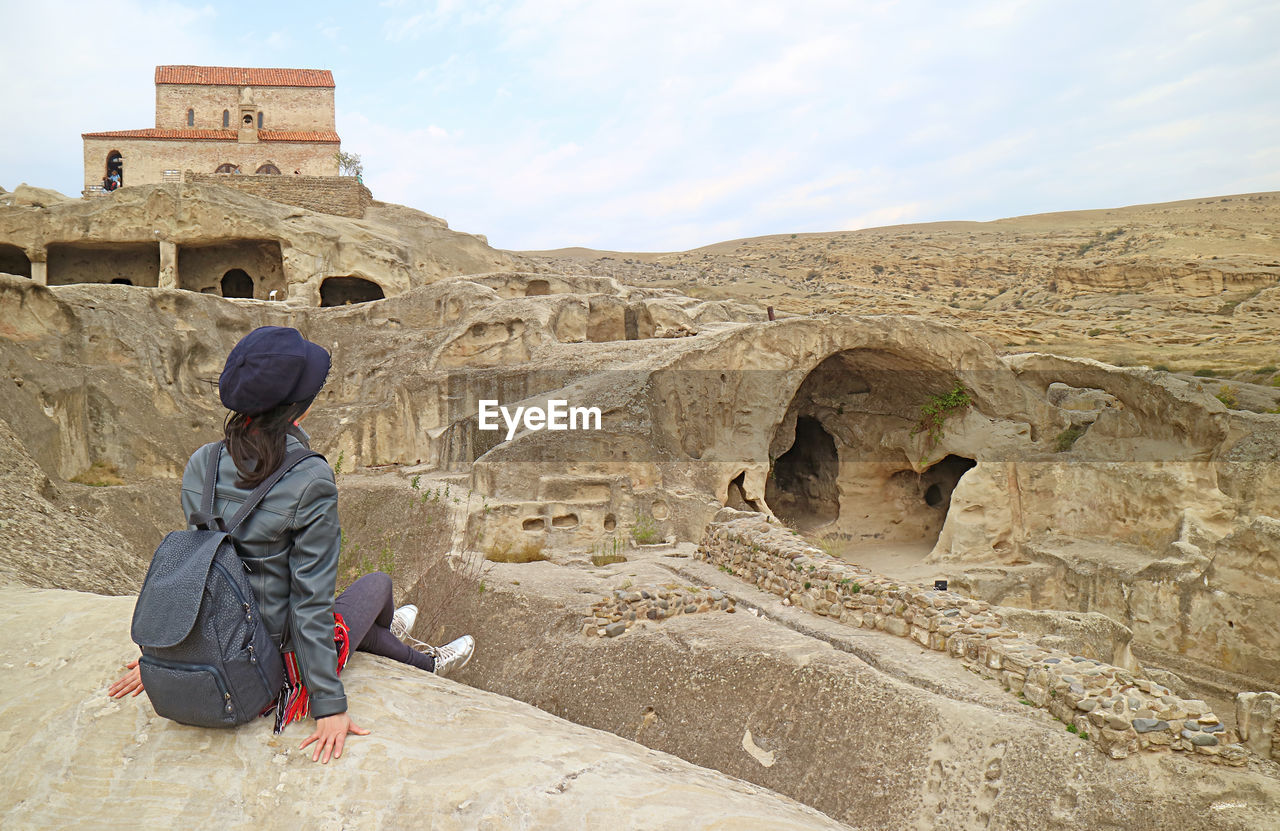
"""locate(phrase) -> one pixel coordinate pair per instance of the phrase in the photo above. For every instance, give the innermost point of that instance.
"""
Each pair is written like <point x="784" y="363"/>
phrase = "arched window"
<point x="226" y="119"/>
<point x="268" y="169"/>
<point x="191" y="118"/>
<point x="226" y="168"/>
<point x="259" y="119"/>
<point x="115" y="171"/>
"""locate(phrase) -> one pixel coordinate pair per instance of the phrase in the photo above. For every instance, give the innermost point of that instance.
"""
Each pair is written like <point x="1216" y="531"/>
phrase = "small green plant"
<point x="413" y="483"/>
<point x="1161" y="368"/>
<point x="607" y="552"/>
<point x="934" y="412"/>
<point x="1084" y="734"/>
<point x="1023" y="700"/>
<point x="1227" y="395"/>
<point x="854" y="588"/>
<point x="1266" y="370"/>
<point x="1093" y="333"/>
<point x="337" y="466"/>
<point x="1067" y="438"/>
<point x="1071" y="728"/>
<point x="807" y="584"/>
<point x="1205" y="373"/>
<point x="645" y="531"/>
<point x="99" y="475"/>
<point x="482" y="587"/>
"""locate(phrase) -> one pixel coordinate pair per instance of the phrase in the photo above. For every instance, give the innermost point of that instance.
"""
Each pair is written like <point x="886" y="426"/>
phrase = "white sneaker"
<point x="402" y="621"/>
<point x="454" y="655"/>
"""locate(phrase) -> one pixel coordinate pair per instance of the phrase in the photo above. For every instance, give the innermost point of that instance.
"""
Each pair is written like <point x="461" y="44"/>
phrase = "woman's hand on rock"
<point x="131" y="682"/>
<point x="331" y="734"/>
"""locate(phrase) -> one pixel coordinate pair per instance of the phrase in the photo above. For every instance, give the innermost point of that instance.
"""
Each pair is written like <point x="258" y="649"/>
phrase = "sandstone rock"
<point x="439" y="753"/>
<point x="1256" y="719"/>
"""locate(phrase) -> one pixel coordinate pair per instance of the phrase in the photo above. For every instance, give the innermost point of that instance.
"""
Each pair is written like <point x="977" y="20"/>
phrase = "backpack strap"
<point x="259" y="492"/>
<point x="212" y="458"/>
<point x="204" y="518"/>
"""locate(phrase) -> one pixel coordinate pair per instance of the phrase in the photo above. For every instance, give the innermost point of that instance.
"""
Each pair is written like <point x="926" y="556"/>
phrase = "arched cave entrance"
<point x="537" y="288"/>
<point x="340" y="291"/>
<point x="846" y="453"/>
<point x="917" y="503"/>
<point x="237" y="283"/>
<point x="802" y="488"/>
<point x="14" y="260"/>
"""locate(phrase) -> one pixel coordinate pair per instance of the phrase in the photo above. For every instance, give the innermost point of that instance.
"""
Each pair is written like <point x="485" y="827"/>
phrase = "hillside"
<point x="1190" y="285"/>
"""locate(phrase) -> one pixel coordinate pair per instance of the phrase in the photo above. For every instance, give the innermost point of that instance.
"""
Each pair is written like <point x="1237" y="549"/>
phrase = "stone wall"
<point x="1119" y="710"/>
<point x="282" y="108"/>
<point x="146" y="160"/>
<point x="338" y="195"/>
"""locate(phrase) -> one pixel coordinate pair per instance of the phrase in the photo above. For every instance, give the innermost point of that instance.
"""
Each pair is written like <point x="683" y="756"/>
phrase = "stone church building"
<point x="224" y="120"/>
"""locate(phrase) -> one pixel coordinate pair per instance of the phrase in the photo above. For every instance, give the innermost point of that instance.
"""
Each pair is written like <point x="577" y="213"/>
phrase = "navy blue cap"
<point x="272" y="365"/>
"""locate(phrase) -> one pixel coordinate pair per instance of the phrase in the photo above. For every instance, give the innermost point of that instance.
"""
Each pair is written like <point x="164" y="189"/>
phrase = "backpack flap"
<point x="170" y="598"/>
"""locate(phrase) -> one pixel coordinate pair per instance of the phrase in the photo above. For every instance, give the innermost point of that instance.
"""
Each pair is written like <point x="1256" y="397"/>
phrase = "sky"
<point x="669" y="124"/>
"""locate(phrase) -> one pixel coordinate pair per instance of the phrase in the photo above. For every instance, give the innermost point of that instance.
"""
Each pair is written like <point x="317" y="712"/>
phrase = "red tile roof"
<point x="237" y="76"/>
<point x="321" y="136"/>
<point x="327" y="136"/>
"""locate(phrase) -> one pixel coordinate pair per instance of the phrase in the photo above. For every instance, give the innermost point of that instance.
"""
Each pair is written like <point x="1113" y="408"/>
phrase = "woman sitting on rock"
<point x="292" y="539"/>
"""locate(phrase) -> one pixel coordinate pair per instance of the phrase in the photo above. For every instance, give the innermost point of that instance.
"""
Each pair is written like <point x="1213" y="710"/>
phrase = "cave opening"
<point x="802" y="487"/>
<point x="736" y="494"/>
<point x="224" y="267"/>
<point x="104" y="262"/>
<point x="340" y="291"/>
<point x="537" y="288"/>
<point x="13" y="260"/>
<point x="917" y="503"/>
<point x="237" y="283"/>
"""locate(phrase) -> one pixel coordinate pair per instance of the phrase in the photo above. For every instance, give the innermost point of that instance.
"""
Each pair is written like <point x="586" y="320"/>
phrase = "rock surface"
<point x="441" y="755"/>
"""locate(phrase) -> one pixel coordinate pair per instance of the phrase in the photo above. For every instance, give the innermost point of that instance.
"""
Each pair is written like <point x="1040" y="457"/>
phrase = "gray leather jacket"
<point x="290" y="546"/>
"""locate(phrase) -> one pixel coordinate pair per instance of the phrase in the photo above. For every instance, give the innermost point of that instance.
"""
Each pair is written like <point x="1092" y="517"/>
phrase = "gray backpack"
<point x="207" y="660"/>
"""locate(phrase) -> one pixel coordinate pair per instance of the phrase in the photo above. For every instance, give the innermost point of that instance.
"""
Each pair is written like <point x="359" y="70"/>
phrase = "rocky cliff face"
<point x="1053" y="483"/>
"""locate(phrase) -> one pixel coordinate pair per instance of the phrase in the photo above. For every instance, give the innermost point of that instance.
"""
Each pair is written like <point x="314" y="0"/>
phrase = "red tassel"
<point x="295" y="701"/>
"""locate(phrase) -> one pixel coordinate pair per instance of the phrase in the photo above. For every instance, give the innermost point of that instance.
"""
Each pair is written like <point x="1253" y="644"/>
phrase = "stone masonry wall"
<point x="283" y="108"/>
<point x="146" y="160"/>
<point x="339" y="195"/>
<point x="1117" y="709"/>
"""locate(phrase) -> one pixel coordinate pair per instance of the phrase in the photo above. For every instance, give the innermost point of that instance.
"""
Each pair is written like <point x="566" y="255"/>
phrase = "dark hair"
<point x="256" y="443"/>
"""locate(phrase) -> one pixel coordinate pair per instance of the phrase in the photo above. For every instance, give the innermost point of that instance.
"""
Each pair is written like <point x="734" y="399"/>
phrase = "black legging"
<point x="367" y="607"/>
